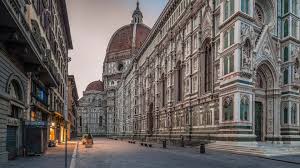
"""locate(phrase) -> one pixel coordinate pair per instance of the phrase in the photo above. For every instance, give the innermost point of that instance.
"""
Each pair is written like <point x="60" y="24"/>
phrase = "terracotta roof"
<point x="95" y="86"/>
<point x="122" y="39"/>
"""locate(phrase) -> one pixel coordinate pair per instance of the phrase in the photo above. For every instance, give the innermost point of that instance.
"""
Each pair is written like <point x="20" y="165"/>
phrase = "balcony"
<point x="24" y="43"/>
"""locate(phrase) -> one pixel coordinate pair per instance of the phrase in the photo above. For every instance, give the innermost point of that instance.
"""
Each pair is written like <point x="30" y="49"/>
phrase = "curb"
<point x="74" y="156"/>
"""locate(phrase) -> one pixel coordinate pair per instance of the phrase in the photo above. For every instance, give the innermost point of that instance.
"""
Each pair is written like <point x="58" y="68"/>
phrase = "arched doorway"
<point x="264" y="103"/>
<point x="13" y="139"/>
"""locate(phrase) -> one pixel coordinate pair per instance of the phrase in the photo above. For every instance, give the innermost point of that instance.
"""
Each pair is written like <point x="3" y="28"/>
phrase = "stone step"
<point x="237" y="149"/>
<point x="254" y="150"/>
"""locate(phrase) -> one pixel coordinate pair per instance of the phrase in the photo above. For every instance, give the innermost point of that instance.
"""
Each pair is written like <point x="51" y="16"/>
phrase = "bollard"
<point x="182" y="141"/>
<point x="202" y="148"/>
<point x="164" y="144"/>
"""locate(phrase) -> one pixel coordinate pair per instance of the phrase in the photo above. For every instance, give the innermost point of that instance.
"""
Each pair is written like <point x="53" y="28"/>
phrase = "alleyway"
<point x="54" y="158"/>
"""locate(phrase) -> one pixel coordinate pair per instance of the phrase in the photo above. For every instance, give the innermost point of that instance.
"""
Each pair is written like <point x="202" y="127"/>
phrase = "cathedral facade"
<point x="91" y="111"/>
<point x="225" y="70"/>
<point x="121" y="49"/>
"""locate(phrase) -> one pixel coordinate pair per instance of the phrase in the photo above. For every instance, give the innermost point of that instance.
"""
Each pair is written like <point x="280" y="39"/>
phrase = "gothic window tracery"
<point x="244" y="108"/>
<point x="296" y="69"/>
<point x="259" y="15"/>
<point x="245" y="6"/>
<point x="228" y="108"/>
<point x="208" y="68"/>
<point x="285" y="115"/>
<point x="285" y="28"/>
<point x="179" y="81"/>
<point x="294" y="114"/>
<point x="286" y="54"/>
<point x="286" y="76"/>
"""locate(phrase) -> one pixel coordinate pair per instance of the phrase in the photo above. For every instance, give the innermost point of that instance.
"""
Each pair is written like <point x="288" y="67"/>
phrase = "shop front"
<point x="57" y="128"/>
<point x="37" y="130"/>
<point x="36" y="136"/>
<point x="13" y="137"/>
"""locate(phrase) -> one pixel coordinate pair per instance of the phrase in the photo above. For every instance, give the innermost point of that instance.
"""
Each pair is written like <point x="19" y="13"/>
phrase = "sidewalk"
<point x="53" y="158"/>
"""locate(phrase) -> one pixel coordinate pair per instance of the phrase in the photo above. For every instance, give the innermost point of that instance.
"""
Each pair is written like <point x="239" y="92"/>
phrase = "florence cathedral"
<point x="223" y="70"/>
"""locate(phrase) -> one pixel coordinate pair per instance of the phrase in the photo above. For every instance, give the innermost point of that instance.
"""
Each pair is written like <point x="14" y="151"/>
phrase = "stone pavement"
<point x="120" y="154"/>
<point x="53" y="158"/>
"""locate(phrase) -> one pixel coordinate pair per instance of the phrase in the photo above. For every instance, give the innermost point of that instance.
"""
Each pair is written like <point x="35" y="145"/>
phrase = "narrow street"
<point x="53" y="158"/>
<point x="120" y="154"/>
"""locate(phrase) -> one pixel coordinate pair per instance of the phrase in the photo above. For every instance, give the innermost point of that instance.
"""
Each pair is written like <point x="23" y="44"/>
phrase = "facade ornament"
<point x="266" y="50"/>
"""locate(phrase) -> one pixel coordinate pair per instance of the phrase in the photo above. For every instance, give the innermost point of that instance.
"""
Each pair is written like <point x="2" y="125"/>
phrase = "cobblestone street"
<point x="53" y="158"/>
<point x="120" y="154"/>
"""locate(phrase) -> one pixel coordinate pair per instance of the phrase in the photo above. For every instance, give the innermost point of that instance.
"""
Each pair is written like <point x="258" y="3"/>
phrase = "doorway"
<point x="264" y="85"/>
<point x="258" y="121"/>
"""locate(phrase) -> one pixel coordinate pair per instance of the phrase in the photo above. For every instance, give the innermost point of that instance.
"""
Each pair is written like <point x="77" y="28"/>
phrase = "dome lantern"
<point x="137" y="16"/>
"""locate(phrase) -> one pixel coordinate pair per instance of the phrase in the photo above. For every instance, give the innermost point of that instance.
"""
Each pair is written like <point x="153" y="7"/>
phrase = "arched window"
<point x="100" y="121"/>
<point x="259" y="15"/>
<point x="179" y="81"/>
<point x="245" y="6"/>
<point x="286" y="28"/>
<point x="294" y="114"/>
<point x="228" y="109"/>
<point x="286" y="6"/>
<point x="294" y="28"/>
<point x="208" y="67"/>
<point x="286" y="76"/>
<point x="14" y="90"/>
<point x="286" y="54"/>
<point x="244" y="108"/>
<point x="163" y="85"/>
<point x="294" y="6"/>
<point x="285" y="115"/>
<point x="228" y="8"/>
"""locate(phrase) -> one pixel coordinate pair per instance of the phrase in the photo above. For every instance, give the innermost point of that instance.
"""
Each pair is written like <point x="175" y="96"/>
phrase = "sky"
<point x="92" y="24"/>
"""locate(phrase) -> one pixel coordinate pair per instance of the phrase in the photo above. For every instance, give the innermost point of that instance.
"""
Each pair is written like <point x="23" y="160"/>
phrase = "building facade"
<point x="121" y="49"/>
<point x="72" y="107"/>
<point x="91" y="112"/>
<point x="34" y="43"/>
<point x="226" y="70"/>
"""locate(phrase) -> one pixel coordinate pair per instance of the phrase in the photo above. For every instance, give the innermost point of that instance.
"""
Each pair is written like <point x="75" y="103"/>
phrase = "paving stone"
<point x="53" y="158"/>
<point x="120" y="154"/>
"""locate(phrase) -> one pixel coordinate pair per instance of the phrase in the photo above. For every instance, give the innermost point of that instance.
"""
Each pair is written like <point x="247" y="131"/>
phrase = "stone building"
<point x="226" y="70"/>
<point x="34" y="43"/>
<point x="123" y="45"/>
<point x="72" y="107"/>
<point x="91" y="112"/>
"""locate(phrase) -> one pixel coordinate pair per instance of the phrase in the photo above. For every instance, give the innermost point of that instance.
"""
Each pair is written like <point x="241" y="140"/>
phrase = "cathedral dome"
<point x="129" y="37"/>
<point x="95" y="86"/>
